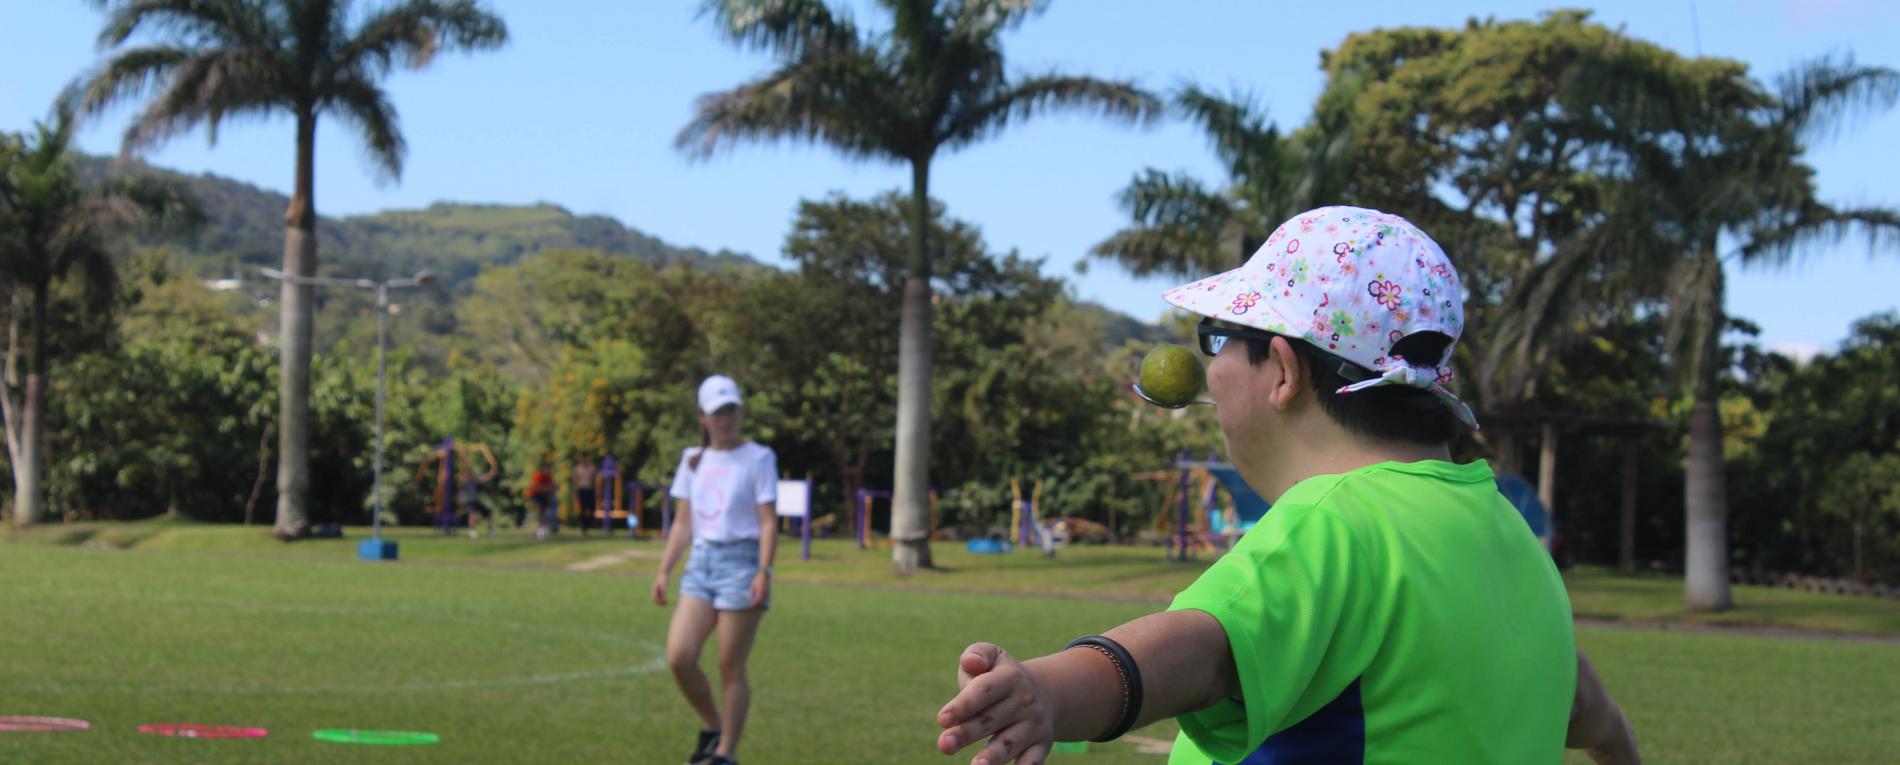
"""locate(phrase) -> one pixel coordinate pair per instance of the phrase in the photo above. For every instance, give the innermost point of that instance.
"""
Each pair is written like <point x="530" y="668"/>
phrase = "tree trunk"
<point x="29" y="486"/>
<point x="9" y="401"/>
<point x="294" y="332"/>
<point x="910" y="493"/>
<point x="1705" y="585"/>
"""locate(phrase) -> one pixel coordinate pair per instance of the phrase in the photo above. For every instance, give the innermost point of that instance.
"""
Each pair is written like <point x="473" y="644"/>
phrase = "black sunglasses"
<point x="1214" y="337"/>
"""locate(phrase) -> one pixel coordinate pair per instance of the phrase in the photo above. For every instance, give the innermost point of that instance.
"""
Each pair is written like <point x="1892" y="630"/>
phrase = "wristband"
<point x="1131" y="681"/>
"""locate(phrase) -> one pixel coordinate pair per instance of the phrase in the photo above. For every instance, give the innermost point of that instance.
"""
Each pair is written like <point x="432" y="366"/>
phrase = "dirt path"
<point x="599" y="562"/>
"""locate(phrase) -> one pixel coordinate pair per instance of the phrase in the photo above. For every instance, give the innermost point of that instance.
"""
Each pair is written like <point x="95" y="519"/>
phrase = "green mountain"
<point x="245" y="231"/>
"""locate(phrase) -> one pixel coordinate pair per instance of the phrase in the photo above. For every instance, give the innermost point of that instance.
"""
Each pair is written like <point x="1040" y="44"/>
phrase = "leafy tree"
<point x="1812" y="475"/>
<point x="170" y="414"/>
<point x="57" y="236"/>
<point x="932" y="83"/>
<point x="225" y="58"/>
<point x="1864" y="496"/>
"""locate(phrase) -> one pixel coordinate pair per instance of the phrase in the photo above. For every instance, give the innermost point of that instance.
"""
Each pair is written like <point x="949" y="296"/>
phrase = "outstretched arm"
<point x="1597" y="724"/>
<point x="1183" y="657"/>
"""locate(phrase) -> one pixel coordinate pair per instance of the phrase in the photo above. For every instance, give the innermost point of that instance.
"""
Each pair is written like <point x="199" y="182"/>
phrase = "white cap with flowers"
<point x="1353" y="282"/>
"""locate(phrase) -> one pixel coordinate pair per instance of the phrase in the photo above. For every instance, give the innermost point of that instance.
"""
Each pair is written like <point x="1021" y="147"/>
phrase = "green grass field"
<point x="510" y="658"/>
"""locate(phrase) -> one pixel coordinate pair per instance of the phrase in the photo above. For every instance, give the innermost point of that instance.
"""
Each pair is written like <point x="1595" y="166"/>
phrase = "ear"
<point x="1286" y="374"/>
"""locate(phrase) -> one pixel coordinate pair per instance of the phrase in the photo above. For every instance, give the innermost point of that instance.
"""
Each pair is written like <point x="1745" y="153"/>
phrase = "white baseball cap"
<point x="718" y="391"/>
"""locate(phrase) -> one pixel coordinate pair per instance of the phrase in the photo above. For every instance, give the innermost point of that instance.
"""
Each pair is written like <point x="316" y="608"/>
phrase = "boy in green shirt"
<point x="1392" y="607"/>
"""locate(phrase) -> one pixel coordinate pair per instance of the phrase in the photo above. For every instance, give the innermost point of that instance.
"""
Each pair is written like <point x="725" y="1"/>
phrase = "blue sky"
<point x="581" y="108"/>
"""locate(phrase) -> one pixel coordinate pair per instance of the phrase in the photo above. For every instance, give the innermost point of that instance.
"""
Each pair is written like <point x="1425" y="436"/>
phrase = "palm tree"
<point x="934" y="82"/>
<point x="304" y="58"/>
<point x="52" y="228"/>
<point x="1181" y="226"/>
<point x="1715" y="159"/>
<point x="1751" y="188"/>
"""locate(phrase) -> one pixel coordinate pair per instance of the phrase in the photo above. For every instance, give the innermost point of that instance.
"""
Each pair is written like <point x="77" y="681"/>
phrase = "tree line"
<point x="1592" y="186"/>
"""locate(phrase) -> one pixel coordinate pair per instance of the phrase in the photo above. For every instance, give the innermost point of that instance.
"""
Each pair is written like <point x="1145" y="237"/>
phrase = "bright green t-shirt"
<point x="1398" y="613"/>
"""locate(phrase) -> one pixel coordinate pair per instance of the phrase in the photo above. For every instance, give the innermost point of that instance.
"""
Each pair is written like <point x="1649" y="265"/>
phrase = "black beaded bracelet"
<point x="1131" y="681"/>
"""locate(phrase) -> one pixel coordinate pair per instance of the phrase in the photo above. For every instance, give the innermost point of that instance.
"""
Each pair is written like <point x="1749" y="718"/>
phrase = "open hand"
<point x="996" y="699"/>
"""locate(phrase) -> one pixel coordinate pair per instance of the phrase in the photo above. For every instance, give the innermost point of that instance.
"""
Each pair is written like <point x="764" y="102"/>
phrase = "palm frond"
<point x="1236" y="125"/>
<point x="1817" y="225"/>
<point x="210" y="88"/>
<point x="1178" y="227"/>
<point x="845" y="101"/>
<point x="1037" y="95"/>
<point x="410" y="34"/>
<point x="367" y="107"/>
<point x="985" y="18"/>
<point x="128" y="75"/>
<point x="200" y="23"/>
<point x="790" y="29"/>
<point x="1820" y="97"/>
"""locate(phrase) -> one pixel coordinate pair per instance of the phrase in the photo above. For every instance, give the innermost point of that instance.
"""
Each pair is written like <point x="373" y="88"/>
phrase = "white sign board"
<point x="793" y="498"/>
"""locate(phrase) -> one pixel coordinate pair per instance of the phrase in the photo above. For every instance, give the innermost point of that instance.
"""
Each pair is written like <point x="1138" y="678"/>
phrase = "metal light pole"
<point x="373" y="548"/>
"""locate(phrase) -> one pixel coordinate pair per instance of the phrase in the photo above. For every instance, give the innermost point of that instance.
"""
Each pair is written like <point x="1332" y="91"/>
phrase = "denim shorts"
<point x="721" y="573"/>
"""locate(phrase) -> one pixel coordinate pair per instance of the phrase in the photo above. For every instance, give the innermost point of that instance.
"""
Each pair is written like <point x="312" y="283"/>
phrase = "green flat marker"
<point x="1078" y="747"/>
<point x="377" y="737"/>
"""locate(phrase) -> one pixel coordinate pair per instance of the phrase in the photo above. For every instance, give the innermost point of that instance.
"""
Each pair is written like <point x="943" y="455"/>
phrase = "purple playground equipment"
<point x="863" y="502"/>
<point x="1214" y="533"/>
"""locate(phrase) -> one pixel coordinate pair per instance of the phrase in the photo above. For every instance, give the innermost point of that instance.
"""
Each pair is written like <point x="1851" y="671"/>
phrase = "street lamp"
<point x="374" y="548"/>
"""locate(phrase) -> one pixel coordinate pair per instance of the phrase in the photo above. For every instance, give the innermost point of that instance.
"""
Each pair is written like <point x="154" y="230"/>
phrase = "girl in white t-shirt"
<point x="726" y="492"/>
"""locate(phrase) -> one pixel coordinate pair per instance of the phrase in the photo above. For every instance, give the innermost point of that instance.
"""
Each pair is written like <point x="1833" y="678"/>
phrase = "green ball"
<point x="1172" y="375"/>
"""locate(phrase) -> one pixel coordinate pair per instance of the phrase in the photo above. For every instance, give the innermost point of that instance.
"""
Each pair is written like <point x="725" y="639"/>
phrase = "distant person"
<point x="585" y="475"/>
<point x="1392" y="607"/>
<point x="453" y="463"/>
<point x="468" y="491"/>
<point x="727" y="489"/>
<point x="542" y="498"/>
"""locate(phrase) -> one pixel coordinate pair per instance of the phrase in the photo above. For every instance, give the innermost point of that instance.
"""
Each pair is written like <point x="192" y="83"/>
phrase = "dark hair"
<point x="1387" y="412"/>
<point x="705" y="441"/>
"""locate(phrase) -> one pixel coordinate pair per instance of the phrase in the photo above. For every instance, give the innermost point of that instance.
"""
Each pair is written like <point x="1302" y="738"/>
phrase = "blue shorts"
<point x="721" y="573"/>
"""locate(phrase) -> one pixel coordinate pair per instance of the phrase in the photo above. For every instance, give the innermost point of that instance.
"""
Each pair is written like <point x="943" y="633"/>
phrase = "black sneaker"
<point x="703" y="754"/>
<point x="718" y="760"/>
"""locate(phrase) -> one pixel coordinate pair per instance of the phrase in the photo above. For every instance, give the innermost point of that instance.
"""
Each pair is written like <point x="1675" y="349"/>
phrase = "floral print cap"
<point x="1353" y="282"/>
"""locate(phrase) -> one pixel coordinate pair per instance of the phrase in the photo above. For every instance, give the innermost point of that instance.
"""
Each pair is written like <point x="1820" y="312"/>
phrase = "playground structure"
<point x="862" y="502"/>
<point x="1205" y="526"/>
<point x="448" y="458"/>
<point x="1024" y="523"/>
<point x="613" y="493"/>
